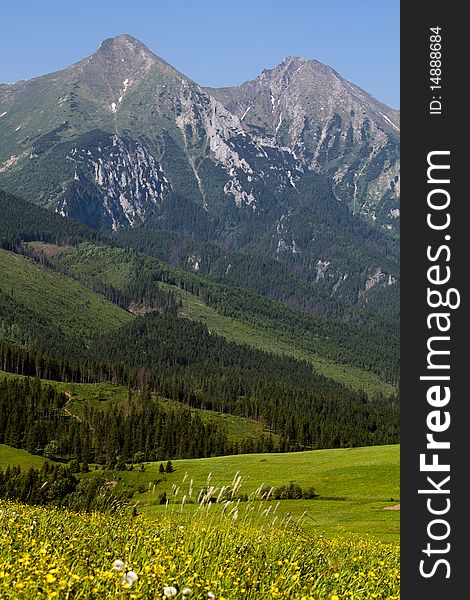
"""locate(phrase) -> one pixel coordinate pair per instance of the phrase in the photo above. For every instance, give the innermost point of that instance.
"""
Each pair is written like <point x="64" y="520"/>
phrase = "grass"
<point x="341" y="545"/>
<point x="14" y="456"/>
<point x="74" y="309"/>
<point x="354" y="485"/>
<point x="219" y="553"/>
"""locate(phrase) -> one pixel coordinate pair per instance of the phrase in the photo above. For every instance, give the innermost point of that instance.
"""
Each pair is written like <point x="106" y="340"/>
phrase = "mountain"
<point x="330" y="126"/>
<point x="125" y="130"/>
<point x="250" y="185"/>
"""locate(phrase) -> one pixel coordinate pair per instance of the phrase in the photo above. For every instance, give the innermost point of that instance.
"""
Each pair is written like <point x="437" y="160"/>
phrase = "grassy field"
<point x="71" y="307"/>
<point x="14" y="456"/>
<point x="220" y="554"/>
<point x="341" y="545"/>
<point x="353" y="486"/>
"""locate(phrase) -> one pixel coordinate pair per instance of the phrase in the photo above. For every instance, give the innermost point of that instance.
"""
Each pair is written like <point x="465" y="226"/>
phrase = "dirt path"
<point x="66" y="410"/>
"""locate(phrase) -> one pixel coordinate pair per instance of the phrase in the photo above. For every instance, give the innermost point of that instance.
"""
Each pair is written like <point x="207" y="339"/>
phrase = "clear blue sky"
<point x="216" y="43"/>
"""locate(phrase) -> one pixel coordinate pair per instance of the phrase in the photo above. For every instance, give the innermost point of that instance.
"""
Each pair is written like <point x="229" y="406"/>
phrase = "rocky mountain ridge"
<point x="264" y="173"/>
<point x="330" y="125"/>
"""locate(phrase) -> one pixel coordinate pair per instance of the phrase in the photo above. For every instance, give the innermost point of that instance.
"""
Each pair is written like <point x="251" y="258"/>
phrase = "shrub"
<point x="291" y="491"/>
<point x="309" y="493"/>
<point x="74" y="466"/>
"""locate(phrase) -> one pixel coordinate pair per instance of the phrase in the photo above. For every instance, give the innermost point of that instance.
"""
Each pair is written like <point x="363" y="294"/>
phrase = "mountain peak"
<point x="289" y="66"/>
<point x="288" y="60"/>
<point x="125" y="47"/>
<point x="295" y="63"/>
<point x="121" y="41"/>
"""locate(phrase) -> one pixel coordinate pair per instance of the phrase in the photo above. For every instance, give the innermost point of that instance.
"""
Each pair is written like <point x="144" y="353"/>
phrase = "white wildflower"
<point x="129" y="578"/>
<point x="170" y="592"/>
<point x="211" y="595"/>
<point x="118" y="565"/>
<point x="186" y="592"/>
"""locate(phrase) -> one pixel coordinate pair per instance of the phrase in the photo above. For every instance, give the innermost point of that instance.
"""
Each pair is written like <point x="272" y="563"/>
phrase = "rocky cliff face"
<point x="265" y="133"/>
<point x="122" y="181"/>
<point x="331" y="126"/>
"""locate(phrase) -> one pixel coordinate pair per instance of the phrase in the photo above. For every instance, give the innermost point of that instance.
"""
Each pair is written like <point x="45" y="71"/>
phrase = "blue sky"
<point x="216" y="43"/>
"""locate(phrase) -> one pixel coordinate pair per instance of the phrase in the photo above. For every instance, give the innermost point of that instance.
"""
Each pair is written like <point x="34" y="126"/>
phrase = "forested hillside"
<point x="75" y="307"/>
<point x="136" y="275"/>
<point x="139" y="283"/>
<point x="23" y="221"/>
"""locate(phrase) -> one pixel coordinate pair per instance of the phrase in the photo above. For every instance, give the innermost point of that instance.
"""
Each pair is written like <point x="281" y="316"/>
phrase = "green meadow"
<point x="353" y="486"/>
<point x="61" y="302"/>
<point x="15" y="456"/>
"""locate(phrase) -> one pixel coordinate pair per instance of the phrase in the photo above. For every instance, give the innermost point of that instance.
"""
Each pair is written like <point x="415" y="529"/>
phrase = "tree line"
<point x="58" y="485"/>
<point x="182" y="361"/>
<point x="33" y="416"/>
